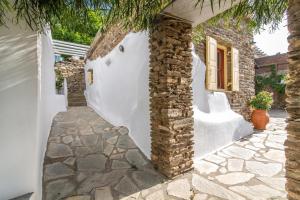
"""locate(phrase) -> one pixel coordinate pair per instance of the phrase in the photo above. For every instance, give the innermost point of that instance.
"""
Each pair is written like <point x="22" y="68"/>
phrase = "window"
<point x="90" y="76"/>
<point x="221" y="67"/>
<point x="218" y="67"/>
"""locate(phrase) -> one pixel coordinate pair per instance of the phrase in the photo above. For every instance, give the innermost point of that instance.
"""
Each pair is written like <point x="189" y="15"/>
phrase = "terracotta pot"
<point x="260" y="119"/>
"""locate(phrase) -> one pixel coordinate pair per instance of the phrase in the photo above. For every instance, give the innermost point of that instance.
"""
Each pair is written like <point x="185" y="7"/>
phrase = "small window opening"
<point x="90" y="76"/>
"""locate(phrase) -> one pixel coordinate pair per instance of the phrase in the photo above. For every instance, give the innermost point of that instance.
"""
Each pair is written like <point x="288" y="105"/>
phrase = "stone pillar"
<point x="292" y="143"/>
<point x="171" y="96"/>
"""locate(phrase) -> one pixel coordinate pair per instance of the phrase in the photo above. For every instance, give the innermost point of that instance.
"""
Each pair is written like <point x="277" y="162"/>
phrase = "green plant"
<point x="81" y="31"/>
<point x="59" y="80"/>
<point x="262" y="101"/>
<point x="137" y="14"/>
<point x="274" y="81"/>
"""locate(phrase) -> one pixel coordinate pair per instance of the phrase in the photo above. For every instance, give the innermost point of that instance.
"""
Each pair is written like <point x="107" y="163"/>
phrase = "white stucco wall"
<point x="120" y="94"/>
<point x="215" y="124"/>
<point x="27" y="105"/>
<point x="18" y="110"/>
<point x="49" y="103"/>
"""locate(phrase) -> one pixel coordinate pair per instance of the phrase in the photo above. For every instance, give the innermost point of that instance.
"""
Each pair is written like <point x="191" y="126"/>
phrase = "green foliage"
<point x="137" y="14"/>
<point x="81" y="31"/>
<point x="4" y="7"/>
<point x="252" y="15"/>
<point x="274" y="81"/>
<point x="59" y="80"/>
<point x="258" y="13"/>
<point x="262" y="101"/>
<point x="198" y="34"/>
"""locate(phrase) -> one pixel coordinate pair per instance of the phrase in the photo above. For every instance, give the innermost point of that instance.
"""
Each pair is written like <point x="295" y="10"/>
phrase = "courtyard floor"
<point x="89" y="159"/>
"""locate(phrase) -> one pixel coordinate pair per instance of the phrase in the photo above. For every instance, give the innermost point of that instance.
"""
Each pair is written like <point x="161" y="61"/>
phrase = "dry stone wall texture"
<point x="292" y="144"/>
<point x="73" y="71"/>
<point x="171" y="96"/>
<point x="105" y="42"/>
<point x="241" y="40"/>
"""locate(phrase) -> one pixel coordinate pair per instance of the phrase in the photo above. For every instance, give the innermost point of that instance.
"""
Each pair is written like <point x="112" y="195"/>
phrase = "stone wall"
<point x="171" y="96"/>
<point x="106" y="41"/>
<point x="73" y="71"/>
<point x="241" y="40"/>
<point x="263" y="67"/>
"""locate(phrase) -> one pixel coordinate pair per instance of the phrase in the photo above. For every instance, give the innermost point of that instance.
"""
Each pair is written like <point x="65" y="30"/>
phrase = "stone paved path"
<point x="89" y="159"/>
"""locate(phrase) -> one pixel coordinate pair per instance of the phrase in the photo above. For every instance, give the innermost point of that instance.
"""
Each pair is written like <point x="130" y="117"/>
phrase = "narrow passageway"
<point x="88" y="158"/>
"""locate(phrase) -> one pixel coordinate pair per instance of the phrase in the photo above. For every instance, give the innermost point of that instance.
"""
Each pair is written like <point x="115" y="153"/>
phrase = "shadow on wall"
<point x="27" y="105"/>
<point x="22" y="54"/>
<point x="18" y="111"/>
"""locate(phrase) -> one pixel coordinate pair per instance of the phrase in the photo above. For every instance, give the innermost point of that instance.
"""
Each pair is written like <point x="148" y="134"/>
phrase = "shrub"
<point x="262" y="101"/>
<point x="274" y="81"/>
<point x="59" y="80"/>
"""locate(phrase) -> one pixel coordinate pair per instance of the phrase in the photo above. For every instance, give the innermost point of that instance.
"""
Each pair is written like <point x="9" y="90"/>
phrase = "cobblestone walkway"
<point x="89" y="159"/>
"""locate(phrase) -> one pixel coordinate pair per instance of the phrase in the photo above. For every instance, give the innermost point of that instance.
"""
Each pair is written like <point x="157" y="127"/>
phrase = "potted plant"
<point x="261" y="103"/>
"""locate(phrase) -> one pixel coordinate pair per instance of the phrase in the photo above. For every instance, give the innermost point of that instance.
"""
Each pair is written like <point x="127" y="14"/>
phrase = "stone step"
<point x="77" y="104"/>
<point x="75" y="94"/>
<point x="76" y="99"/>
<point x="23" y="197"/>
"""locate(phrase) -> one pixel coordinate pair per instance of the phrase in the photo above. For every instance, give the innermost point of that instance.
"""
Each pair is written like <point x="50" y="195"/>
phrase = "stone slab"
<point x="57" y="170"/>
<point x="126" y="186"/>
<point x="263" y="169"/>
<point x="235" y="164"/>
<point x="59" y="189"/>
<point x="276" y="183"/>
<point x="135" y="158"/>
<point x="117" y="164"/>
<point x="214" y="158"/>
<point x="239" y="152"/>
<point x="205" y="167"/>
<point x="58" y="150"/>
<point x="275" y="155"/>
<point x="103" y="193"/>
<point x="234" y="178"/>
<point x="180" y="188"/>
<point x="203" y="185"/>
<point x="125" y="142"/>
<point x="95" y="162"/>
<point x="257" y="192"/>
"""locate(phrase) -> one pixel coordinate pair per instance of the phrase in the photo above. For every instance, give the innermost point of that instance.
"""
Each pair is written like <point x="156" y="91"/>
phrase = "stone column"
<point x="292" y="143"/>
<point x="171" y="96"/>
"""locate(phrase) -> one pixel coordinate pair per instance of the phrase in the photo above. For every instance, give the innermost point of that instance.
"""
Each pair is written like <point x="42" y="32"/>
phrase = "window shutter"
<point x="211" y="63"/>
<point x="235" y="73"/>
<point x="90" y="78"/>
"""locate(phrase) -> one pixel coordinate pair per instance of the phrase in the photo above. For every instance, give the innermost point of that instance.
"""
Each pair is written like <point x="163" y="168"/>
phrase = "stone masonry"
<point x="242" y="40"/>
<point x="73" y="71"/>
<point x="238" y="38"/>
<point x="171" y="96"/>
<point x="292" y="144"/>
<point x="106" y="41"/>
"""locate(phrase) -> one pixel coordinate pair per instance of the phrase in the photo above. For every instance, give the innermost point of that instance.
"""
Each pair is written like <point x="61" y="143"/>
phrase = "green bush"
<point x="274" y="81"/>
<point x="262" y="101"/>
<point x="59" y="80"/>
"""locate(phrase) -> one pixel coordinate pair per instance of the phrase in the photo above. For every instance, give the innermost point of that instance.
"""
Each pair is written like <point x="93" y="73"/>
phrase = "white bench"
<point x="215" y="124"/>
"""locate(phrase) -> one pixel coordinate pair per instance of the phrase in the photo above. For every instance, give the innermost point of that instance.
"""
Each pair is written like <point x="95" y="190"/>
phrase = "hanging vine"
<point x="274" y="81"/>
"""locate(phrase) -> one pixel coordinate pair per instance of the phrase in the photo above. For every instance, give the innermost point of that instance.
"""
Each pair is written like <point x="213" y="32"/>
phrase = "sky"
<point x="275" y="42"/>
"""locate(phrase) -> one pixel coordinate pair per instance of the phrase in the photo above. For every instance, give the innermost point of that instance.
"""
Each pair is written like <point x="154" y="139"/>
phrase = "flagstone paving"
<point x="89" y="159"/>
